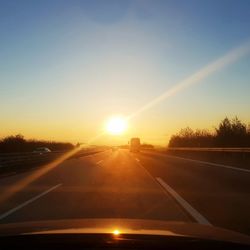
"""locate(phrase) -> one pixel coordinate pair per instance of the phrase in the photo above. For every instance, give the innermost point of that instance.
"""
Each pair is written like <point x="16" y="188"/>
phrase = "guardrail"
<point x="12" y="159"/>
<point x="232" y="150"/>
<point x="29" y="158"/>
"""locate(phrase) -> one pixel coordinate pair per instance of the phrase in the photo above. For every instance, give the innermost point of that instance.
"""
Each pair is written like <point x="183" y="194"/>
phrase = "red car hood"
<point x="124" y="226"/>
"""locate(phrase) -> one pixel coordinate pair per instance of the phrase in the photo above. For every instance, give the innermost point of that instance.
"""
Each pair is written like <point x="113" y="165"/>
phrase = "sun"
<point x="116" y="125"/>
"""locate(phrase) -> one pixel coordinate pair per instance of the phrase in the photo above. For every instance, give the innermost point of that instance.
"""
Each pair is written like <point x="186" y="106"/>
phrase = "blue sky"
<point x="66" y="66"/>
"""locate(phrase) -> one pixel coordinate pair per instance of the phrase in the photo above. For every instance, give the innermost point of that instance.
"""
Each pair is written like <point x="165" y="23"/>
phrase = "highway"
<point x="120" y="184"/>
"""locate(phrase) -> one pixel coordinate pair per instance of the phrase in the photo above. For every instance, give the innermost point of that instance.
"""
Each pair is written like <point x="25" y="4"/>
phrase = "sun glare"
<point x="116" y="232"/>
<point x="116" y="125"/>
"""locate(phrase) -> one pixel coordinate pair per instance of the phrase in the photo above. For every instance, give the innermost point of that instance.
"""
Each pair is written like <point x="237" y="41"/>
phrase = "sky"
<point x="67" y="66"/>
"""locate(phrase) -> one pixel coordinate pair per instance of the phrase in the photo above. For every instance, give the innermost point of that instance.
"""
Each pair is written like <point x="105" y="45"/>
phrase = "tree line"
<point x="229" y="133"/>
<point x="17" y="143"/>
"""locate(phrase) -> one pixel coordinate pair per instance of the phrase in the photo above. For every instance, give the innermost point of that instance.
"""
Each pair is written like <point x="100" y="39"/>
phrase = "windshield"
<point x="140" y="110"/>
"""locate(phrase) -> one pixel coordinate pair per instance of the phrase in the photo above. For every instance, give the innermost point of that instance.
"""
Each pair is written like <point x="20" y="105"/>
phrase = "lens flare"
<point x="197" y="78"/>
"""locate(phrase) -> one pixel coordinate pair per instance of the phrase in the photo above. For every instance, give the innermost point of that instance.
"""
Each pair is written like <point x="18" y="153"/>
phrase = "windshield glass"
<point x="125" y="109"/>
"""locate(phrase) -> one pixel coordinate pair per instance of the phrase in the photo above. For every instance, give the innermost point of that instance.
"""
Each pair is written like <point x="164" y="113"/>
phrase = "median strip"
<point x="193" y="212"/>
<point x="13" y="210"/>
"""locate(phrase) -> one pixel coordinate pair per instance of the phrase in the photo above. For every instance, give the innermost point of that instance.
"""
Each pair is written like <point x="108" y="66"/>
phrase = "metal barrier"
<point x="12" y="159"/>
<point x="16" y="159"/>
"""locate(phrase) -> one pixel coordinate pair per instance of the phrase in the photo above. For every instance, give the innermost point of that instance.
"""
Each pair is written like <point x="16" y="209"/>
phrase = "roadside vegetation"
<point x="18" y="143"/>
<point x="229" y="133"/>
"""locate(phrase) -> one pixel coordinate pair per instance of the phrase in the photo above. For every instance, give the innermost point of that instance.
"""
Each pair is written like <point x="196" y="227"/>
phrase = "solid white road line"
<point x="193" y="212"/>
<point x="99" y="162"/>
<point x="13" y="210"/>
<point x="211" y="163"/>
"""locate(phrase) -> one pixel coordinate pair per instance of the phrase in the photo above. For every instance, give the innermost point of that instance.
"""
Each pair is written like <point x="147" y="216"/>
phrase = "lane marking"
<point x="211" y="163"/>
<point x="13" y="210"/>
<point x="137" y="159"/>
<point x="193" y="212"/>
<point x="157" y="182"/>
<point x="99" y="162"/>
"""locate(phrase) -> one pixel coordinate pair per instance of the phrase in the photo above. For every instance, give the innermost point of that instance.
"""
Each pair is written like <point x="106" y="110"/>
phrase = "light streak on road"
<point x="35" y="175"/>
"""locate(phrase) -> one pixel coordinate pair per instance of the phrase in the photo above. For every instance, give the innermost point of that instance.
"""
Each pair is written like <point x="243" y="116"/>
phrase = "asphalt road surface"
<point x="121" y="184"/>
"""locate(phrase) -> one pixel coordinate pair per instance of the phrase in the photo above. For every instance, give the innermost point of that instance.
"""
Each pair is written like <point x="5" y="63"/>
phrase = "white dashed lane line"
<point x="13" y="210"/>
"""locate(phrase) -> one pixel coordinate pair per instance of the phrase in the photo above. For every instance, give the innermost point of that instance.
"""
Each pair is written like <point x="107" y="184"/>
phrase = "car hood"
<point x="124" y="226"/>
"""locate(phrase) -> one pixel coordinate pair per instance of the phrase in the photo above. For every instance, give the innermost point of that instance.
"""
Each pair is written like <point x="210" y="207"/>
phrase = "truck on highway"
<point x="135" y="144"/>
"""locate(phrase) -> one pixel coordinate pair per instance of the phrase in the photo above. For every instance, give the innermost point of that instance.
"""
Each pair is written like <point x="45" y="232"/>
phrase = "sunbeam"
<point x="196" y="78"/>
